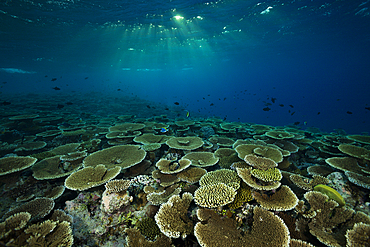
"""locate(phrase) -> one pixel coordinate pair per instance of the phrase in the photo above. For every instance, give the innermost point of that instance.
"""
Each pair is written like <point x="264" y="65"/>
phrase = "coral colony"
<point x="120" y="180"/>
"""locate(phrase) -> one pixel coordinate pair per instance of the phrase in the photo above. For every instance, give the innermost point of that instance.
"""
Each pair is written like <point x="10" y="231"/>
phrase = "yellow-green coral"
<point x="148" y="228"/>
<point x="243" y="195"/>
<point x="269" y="175"/>
<point x="331" y="193"/>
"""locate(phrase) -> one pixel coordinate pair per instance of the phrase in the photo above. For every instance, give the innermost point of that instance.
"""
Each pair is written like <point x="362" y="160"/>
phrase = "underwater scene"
<point x="185" y="123"/>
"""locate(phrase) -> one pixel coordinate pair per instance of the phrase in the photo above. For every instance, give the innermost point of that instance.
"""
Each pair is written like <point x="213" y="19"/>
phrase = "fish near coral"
<point x="331" y="193"/>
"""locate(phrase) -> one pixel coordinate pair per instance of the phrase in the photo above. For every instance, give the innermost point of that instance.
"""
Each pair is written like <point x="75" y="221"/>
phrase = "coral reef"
<point x="126" y="180"/>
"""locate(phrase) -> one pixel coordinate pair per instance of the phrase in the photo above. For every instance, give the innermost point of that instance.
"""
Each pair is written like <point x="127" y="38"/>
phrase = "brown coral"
<point x="90" y="177"/>
<point x="359" y="235"/>
<point x="346" y="164"/>
<point x="278" y="134"/>
<point x="265" y="151"/>
<point x="202" y="159"/>
<point x="306" y="183"/>
<point x="50" y="233"/>
<point x="123" y="156"/>
<point x="360" y="180"/>
<point x="360" y="138"/>
<point x="227" y="157"/>
<point x="38" y="208"/>
<point x="165" y="179"/>
<point x="355" y="151"/>
<point x="135" y="238"/>
<point x="226" y="176"/>
<point x="329" y="221"/>
<point x="214" y="231"/>
<point x="170" y="166"/>
<point x="127" y="127"/>
<point x="162" y="196"/>
<point x="260" y="162"/>
<point x="246" y="176"/>
<point x="15" y="164"/>
<point x="185" y="143"/>
<point x="54" y="167"/>
<point x="117" y="185"/>
<point x="269" y="175"/>
<point x="191" y="175"/>
<point x="172" y="219"/>
<point x="214" y="195"/>
<point x="283" y="199"/>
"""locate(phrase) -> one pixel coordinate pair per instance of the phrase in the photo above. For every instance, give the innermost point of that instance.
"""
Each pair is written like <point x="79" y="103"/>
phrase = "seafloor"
<point x="93" y="170"/>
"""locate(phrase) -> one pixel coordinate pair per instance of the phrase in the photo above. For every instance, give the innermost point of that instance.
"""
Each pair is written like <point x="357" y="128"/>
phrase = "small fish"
<point x="86" y="78"/>
<point x="4" y="82"/>
<point x="187" y="114"/>
<point x="273" y="100"/>
<point x="6" y="103"/>
<point x="148" y="106"/>
<point x="163" y="130"/>
<point x="349" y="112"/>
<point x="56" y="88"/>
<point x="118" y="89"/>
<point x="166" y="109"/>
<point x="69" y="103"/>
<point x="291" y="106"/>
<point x="177" y="103"/>
<point x="367" y="108"/>
<point x="281" y="105"/>
<point x="297" y="123"/>
<point x="266" y="109"/>
<point x="291" y="114"/>
<point x="53" y="79"/>
<point x="318" y="113"/>
<point x="60" y="106"/>
<point x="211" y="104"/>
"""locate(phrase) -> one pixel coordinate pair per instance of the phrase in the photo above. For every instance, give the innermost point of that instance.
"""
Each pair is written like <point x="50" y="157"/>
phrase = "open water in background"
<point x="306" y="61"/>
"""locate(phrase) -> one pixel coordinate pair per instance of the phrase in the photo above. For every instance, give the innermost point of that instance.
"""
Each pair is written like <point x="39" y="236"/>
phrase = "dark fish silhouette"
<point x="291" y="106"/>
<point x="349" y="112"/>
<point x="367" y="108"/>
<point x="297" y="123"/>
<point x="53" y="79"/>
<point x="59" y="106"/>
<point x="56" y="88"/>
<point x="6" y="103"/>
<point x="211" y="104"/>
<point x="148" y="106"/>
<point x="166" y="109"/>
<point x="273" y="100"/>
<point x="177" y="103"/>
<point x="281" y="105"/>
<point x="266" y="109"/>
<point x="86" y="78"/>
<point x="4" y="82"/>
<point x="69" y="103"/>
<point x="118" y="89"/>
<point x="292" y="113"/>
<point x="318" y="113"/>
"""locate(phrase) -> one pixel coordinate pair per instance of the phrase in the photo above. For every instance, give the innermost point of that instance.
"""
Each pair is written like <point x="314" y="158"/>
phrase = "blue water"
<point x="218" y="58"/>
